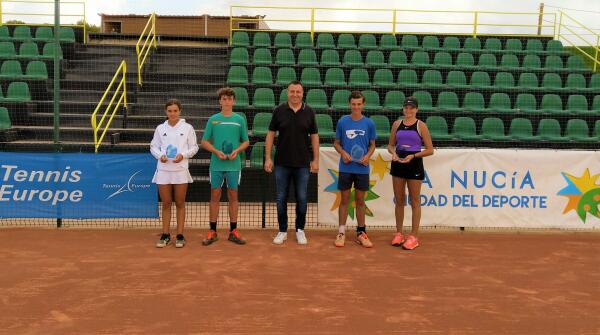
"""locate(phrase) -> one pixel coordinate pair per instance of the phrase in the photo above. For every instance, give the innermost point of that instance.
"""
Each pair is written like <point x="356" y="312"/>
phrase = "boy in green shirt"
<point x="225" y="136"/>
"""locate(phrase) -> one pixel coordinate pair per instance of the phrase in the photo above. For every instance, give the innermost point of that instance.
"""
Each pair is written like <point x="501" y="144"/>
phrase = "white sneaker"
<point x="301" y="237"/>
<point x="280" y="238"/>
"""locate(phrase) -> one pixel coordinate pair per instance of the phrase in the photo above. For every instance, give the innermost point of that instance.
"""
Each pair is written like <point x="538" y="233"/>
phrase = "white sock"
<point x="342" y="229"/>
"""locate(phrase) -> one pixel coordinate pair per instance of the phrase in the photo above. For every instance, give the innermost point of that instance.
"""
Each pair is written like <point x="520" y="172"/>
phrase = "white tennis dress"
<point x="181" y="139"/>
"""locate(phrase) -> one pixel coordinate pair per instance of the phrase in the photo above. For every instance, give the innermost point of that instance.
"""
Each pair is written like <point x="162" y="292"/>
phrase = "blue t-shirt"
<point x="354" y="137"/>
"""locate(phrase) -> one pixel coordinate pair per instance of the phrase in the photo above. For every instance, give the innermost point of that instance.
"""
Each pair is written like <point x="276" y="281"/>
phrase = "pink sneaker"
<point x="398" y="239"/>
<point x="411" y="243"/>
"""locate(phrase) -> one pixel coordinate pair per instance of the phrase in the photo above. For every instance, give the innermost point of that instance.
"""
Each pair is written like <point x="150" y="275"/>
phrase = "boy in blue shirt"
<point x="355" y="141"/>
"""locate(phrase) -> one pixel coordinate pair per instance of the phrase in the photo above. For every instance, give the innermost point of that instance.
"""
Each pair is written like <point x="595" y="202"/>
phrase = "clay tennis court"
<point x="116" y="281"/>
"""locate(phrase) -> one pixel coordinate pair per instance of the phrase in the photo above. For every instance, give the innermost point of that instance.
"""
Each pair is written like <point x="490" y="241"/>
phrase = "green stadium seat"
<point x="317" y="99"/>
<point x="442" y="59"/>
<point x="473" y="102"/>
<point x="346" y="41"/>
<point x="553" y="63"/>
<point x="4" y="33"/>
<point x="367" y="41"/>
<point x="339" y="100"/>
<point x="575" y="83"/>
<point x="492" y="44"/>
<point x="409" y="42"/>
<point x="407" y="78"/>
<point x="528" y="81"/>
<point x="260" y="124"/>
<point x="48" y="51"/>
<point x="335" y="77"/>
<point x="22" y="33"/>
<point x="311" y="76"/>
<point x="487" y="61"/>
<point x="383" y="78"/>
<point x="66" y="35"/>
<point x="551" y="81"/>
<point x="465" y="59"/>
<point x="424" y="99"/>
<point x="526" y="103"/>
<point x="393" y="100"/>
<point x="451" y="43"/>
<point x="578" y="130"/>
<point x="325" y="41"/>
<point x="576" y="62"/>
<point x="371" y="100"/>
<point x="382" y="126"/>
<point x="283" y="96"/>
<point x="307" y="57"/>
<point x="43" y="34"/>
<point x="36" y="70"/>
<point x="534" y="46"/>
<point x="432" y="78"/>
<point x="578" y="104"/>
<point x="29" y="50"/>
<point x="17" y="92"/>
<point x="596" y="133"/>
<point x="509" y="61"/>
<point x="532" y="62"/>
<point x="262" y="56"/>
<point x="464" y="128"/>
<point x="285" y="75"/>
<point x="263" y="98"/>
<point x="521" y="129"/>
<point x="554" y="46"/>
<point x="513" y="44"/>
<point x="353" y="58"/>
<point x="552" y="104"/>
<point x="4" y="118"/>
<point x="283" y="40"/>
<point x="594" y="82"/>
<point x="472" y="43"/>
<point x="285" y="57"/>
<point x="480" y="79"/>
<point x="325" y="126"/>
<point x="431" y="42"/>
<point x="7" y="49"/>
<point x="375" y="58"/>
<point x="420" y="58"/>
<point x="239" y="56"/>
<point x="257" y="155"/>
<point x="262" y="75"/>
<point x="492" y="128"/>
<point x="237" y="75"/>
<point x="456" y="79"/>
<point x="500" y="103"/>
<point x="241" y="97"/>
<point x="438" y="128"/>
<point x="397" y="58"/>
<point x="448" y="102"/>
<point x="240" y="39"/>
<point x="388" y="42"/>
<point x="549" y="130"/>
<point x="261" y="40"/>
<point x="11" y="69"/>
<point x="303" y="40"/>
<point x="330" y="57"/>
<point x="359" y="78"/>
<point x="504" y="80"/>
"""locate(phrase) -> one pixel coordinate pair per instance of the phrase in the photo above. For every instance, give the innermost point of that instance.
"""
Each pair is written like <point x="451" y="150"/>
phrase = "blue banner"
<point x="77" y="185"/>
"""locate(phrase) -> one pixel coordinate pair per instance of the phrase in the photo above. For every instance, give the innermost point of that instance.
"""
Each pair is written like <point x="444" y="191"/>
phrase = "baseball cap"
<point x="411" y="101"/>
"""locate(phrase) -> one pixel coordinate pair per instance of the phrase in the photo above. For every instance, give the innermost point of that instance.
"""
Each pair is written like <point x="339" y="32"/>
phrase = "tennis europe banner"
<point x="77" y="185"/>
<point x="480" y="188"/>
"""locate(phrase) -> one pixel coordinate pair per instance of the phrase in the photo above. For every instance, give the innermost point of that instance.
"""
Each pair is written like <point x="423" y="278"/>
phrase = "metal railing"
<point x="121" y="92"/>
<point x="584" y="41"/>
<point x="150" y="40"/>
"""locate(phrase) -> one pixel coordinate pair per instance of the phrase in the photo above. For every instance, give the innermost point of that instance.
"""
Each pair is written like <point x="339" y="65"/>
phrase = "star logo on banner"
<point x="379" y="166"/>
<point x="583" y="194"/>
<point x="333" y="188"/>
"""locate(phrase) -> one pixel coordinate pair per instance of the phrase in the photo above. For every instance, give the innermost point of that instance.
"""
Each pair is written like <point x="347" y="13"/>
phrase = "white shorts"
<point x="162" y="177"/>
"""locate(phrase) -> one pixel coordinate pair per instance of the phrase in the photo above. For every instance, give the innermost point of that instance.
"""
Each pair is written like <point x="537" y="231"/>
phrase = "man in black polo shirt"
<point x="297" y="126"/>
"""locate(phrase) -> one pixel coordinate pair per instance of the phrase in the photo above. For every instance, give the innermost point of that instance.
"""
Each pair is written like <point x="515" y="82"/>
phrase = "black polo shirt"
<point x="293" y="141"/>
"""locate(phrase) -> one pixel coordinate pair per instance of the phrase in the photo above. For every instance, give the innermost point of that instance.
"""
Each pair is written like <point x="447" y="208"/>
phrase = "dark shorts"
<point x="360" y="181"/>
<point x="411" y="170"/>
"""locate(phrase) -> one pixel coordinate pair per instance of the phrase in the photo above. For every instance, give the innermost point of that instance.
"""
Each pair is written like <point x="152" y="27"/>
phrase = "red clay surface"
<point x="116" y="282"/>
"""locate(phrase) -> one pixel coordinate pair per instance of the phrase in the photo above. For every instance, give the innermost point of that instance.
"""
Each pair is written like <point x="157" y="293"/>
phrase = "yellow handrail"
<point x="594" y="45"/>
<point x="145" y="49"/>
<point x="121" y="92"/>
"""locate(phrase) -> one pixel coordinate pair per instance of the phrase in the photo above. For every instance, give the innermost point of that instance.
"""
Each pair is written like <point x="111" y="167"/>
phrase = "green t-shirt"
<point x="226" y="133"/>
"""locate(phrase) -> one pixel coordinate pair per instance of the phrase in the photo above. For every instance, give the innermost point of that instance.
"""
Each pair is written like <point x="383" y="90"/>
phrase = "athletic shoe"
<point x="280" y="238"/>
<point x="301" y="237"/>
<point x="411" y="243"/>
<point x="179" y="241"/>
<point x="211" y="237"/>
<point x="398" y="240"/>
<point x="363" y="239"/>
<point x="340" y="240"/>
<point x="165" y="239"/>
<point x="234" y="236"/>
